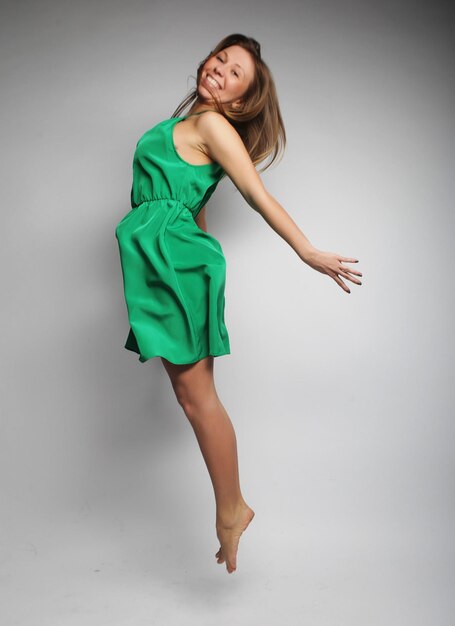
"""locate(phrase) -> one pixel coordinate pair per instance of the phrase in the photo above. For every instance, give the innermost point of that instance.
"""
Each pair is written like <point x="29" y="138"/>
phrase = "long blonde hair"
<point x="258" y="121"/>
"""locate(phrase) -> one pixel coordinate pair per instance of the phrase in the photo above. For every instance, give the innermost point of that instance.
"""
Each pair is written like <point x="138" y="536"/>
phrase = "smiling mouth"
<point x="212" y="82"/>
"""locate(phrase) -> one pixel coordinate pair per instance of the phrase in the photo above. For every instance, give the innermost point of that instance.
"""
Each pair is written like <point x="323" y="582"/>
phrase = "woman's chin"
<point x="204" y="94"/>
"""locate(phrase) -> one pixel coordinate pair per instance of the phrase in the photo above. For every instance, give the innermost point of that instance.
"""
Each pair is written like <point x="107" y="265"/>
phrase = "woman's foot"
<point x="228" y="532"/>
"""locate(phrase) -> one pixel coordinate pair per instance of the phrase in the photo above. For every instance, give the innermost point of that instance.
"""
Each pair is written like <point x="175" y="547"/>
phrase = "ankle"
<point x="228" y="514"/>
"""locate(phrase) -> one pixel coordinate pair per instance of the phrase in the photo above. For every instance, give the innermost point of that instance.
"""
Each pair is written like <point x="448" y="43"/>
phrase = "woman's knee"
<point x="193" y="386"/>
<point x="196" y="403"/>
<point x="183" y="394"/>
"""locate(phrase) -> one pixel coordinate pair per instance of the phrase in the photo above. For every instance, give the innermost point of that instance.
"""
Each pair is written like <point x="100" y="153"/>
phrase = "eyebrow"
<point x="234" y="63"/>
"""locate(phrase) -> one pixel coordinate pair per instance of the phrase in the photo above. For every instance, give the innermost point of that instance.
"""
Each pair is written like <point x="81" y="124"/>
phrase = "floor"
<point x="97" y="568"/>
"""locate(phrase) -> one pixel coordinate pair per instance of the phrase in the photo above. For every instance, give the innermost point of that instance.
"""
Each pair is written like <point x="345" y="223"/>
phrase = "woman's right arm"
<point x="224" y="145"/>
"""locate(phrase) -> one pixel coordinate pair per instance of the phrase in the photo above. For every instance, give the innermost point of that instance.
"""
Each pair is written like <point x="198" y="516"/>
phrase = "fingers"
<point x="332" y="264"/>
<point x="347" y="271"/>
<point x="338" y="280"/>
<point x="351" y="271"/>
<point x="346" y="275"/>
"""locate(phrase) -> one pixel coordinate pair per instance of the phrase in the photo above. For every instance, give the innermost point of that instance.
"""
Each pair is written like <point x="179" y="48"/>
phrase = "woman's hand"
<point x="332" y="264"/>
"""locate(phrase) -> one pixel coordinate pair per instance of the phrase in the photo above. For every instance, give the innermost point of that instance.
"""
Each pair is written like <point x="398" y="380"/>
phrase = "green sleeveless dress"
<point x="173" y="272"/>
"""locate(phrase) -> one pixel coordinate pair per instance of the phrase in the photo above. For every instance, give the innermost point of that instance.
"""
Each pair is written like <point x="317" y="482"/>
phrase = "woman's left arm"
<point x="224" y="145"/>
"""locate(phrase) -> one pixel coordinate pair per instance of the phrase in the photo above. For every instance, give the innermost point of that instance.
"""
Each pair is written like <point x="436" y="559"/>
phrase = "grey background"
<point x="342" y="404"/>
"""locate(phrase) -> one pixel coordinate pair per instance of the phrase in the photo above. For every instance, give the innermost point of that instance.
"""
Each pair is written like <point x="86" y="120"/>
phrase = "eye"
<point x="218" y="57"/>
<point x="235" y="73"/>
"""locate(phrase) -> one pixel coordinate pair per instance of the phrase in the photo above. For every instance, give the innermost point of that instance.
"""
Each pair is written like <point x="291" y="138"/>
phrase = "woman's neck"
<point x="200" y="108"/>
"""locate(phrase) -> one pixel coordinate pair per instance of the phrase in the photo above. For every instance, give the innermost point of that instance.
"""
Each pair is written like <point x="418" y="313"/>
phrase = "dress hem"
<point x="143" y="359"/>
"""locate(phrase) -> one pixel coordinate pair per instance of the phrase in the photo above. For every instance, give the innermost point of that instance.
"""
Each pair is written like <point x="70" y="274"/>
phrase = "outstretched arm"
<point x="224" y="145"/>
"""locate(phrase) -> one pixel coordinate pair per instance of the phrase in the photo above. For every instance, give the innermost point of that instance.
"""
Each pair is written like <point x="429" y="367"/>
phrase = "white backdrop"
<point x="342" y="404"/>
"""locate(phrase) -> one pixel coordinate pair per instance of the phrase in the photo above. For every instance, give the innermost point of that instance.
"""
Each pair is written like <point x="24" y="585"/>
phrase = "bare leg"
<point x="195" y="391"/>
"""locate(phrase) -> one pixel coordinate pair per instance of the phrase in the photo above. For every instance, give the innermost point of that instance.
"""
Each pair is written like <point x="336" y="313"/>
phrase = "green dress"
<point x="173" y="272"/>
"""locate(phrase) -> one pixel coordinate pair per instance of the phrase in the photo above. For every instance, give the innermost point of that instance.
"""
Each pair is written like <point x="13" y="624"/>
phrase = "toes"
<point x="219" y="556"/>
<point x="231" y="564"/>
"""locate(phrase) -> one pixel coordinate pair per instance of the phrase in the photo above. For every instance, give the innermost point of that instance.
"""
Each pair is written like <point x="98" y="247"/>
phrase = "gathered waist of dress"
<point x="167" y="198"/>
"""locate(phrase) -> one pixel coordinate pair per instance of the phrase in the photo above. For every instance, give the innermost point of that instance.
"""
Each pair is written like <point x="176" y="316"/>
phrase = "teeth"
<point x="213" y="82"/>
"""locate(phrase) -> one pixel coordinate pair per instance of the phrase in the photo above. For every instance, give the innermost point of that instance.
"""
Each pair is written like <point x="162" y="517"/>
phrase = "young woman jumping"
<point x="174" y="270"/>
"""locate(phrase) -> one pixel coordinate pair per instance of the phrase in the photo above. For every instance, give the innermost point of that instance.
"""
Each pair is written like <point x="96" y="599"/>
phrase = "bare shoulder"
<point x="211" y="118"/>
<point x="223" y="144"/>
<point x="214" y="127"/>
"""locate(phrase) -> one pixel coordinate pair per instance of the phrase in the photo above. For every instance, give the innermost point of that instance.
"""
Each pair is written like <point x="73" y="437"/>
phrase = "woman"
<point x="174" y="270"/>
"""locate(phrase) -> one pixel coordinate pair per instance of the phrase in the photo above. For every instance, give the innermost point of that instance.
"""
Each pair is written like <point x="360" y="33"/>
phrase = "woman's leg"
<point x="194" y="388"/>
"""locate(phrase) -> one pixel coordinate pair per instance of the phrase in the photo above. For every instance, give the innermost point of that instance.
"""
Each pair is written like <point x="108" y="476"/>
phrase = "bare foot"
<point x="228" y="533"/>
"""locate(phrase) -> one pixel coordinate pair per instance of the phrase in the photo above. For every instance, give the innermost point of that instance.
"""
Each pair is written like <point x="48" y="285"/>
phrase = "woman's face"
<point x="227" y="75"/>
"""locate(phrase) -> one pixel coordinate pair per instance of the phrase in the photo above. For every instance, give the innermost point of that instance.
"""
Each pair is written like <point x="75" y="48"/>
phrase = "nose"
<point x="218" y="69"/>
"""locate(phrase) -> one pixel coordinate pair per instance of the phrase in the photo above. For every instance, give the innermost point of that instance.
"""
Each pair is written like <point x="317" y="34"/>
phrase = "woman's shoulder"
<point x="211" y="122"/>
